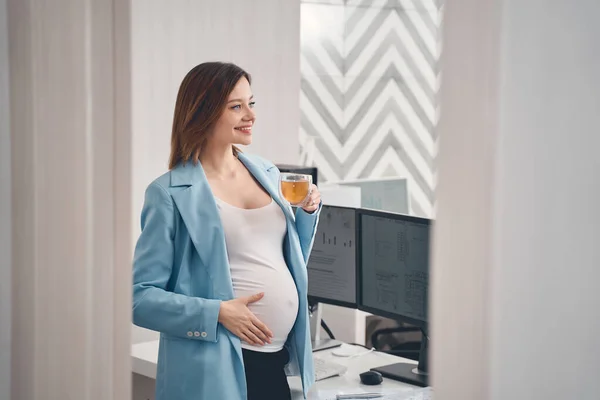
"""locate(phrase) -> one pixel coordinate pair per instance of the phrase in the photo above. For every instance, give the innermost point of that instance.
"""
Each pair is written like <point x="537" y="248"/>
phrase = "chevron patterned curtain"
<point x="369" y="91"/>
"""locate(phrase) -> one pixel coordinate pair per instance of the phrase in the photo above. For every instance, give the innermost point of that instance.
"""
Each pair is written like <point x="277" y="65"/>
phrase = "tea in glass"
<point x="295" y="188"/>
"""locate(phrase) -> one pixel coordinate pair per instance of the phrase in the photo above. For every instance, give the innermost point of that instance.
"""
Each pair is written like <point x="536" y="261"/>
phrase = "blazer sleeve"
<point x="154" y="307"/>
<point x="306" y="225"/>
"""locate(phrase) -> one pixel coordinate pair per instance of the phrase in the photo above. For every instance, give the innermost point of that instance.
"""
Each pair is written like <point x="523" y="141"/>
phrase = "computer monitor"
<point x="332" y="268"/>
<point x="384" y="194"/>
<point x="393" y="276"/>
<point x="332" y="262"/>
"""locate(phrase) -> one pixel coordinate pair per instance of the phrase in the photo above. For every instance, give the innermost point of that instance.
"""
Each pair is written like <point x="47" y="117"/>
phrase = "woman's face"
<point x="235" y="124"/>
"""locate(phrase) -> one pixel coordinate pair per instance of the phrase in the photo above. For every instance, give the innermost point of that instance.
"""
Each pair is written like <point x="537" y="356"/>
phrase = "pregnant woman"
<point x="220" y="265"/>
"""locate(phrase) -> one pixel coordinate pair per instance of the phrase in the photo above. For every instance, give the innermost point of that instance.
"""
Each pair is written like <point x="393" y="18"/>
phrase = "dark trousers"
<point x="265" y="375"/>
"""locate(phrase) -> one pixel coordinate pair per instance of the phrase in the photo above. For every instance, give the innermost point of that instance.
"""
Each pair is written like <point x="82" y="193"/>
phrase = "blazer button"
<point x="197" y="334"/>
<point x="190" y="334"/>
<point x="204" y="334"/>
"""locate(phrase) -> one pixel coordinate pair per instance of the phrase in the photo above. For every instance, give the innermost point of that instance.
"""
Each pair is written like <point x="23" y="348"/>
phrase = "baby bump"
<point x="277" y="309"/>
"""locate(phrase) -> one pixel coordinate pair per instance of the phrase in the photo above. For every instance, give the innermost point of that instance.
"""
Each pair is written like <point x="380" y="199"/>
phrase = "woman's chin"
<point x="244" y="141"/>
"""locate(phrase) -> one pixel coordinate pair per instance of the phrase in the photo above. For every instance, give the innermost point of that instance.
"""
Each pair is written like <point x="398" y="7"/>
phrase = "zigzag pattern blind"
<point x="369" y="71"/>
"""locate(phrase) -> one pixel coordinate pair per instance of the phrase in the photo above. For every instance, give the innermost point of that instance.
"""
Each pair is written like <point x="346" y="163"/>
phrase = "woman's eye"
<point x="252" y="104"/>
<point x="236" y="107"/>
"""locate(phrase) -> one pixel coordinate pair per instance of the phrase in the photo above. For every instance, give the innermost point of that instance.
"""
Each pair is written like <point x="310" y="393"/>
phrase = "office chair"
<point x="408" y="350"/>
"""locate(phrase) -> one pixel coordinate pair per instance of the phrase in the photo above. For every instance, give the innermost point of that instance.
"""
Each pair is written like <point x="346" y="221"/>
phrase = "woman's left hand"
<point x="314" y="199"/>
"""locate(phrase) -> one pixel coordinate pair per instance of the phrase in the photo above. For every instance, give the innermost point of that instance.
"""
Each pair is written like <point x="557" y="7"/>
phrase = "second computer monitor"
<point x="394" y="266"/>
<point x="394" y="280"/>
<point x="332" y="262"/>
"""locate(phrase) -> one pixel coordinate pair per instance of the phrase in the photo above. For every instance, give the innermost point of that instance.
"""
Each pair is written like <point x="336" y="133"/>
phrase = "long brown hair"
<point x="200" y="102"/>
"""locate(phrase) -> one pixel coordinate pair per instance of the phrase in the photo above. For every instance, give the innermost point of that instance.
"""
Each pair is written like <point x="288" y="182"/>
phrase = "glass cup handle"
<point x="304" y="202"/>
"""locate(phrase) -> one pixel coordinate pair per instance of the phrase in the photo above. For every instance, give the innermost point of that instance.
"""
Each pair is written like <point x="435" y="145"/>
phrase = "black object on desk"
<point x="410" y="373"/>
<point x="371" y="378"/>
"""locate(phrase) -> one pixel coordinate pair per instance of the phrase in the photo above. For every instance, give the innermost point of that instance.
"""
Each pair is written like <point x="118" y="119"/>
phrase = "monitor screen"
<point x="332" y="262"/>
<point x="394" y="265"/>
<point x="384" y="194"/>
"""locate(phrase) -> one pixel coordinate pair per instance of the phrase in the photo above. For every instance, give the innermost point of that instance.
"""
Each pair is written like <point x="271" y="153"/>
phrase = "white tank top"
<point x="254" y="241"/>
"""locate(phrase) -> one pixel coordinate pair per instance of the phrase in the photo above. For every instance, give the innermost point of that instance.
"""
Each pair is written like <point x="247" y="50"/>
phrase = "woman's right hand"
<point x="239" y="320"/>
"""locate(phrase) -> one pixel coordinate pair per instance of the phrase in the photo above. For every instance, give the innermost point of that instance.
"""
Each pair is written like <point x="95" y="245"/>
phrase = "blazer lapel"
<point x="262" y="176"/>
<point x="200" y="214"/>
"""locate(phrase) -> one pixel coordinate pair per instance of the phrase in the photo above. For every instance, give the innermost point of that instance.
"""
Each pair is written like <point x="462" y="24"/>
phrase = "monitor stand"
<point x="317" y="342"/>
<point x="324" y="344"/>
<point x="410" y="373"/>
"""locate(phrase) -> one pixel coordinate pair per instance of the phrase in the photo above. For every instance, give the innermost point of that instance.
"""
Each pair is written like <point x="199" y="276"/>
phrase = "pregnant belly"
<point x="277" y="309"/>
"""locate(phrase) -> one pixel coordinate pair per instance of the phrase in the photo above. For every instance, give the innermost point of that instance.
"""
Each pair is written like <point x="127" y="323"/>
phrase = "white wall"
<point x="5" y="214"/>
<point x="170" y="38"/>
<point x="69" y="113"/>
<point x="516" y="280"/>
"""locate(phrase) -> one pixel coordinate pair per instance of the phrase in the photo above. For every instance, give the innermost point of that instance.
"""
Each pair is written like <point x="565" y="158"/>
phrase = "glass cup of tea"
<point x="295" y="188"/>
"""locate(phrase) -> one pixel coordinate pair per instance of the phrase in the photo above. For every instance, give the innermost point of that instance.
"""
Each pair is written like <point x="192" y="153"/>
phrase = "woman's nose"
<point x="250" y="115"/>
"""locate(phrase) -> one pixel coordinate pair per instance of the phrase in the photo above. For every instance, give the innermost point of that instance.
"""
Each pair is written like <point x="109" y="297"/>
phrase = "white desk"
<point x="145" y="355"/>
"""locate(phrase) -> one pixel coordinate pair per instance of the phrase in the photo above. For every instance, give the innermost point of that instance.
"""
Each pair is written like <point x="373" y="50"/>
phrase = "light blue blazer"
<point x="181" y="275"/>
